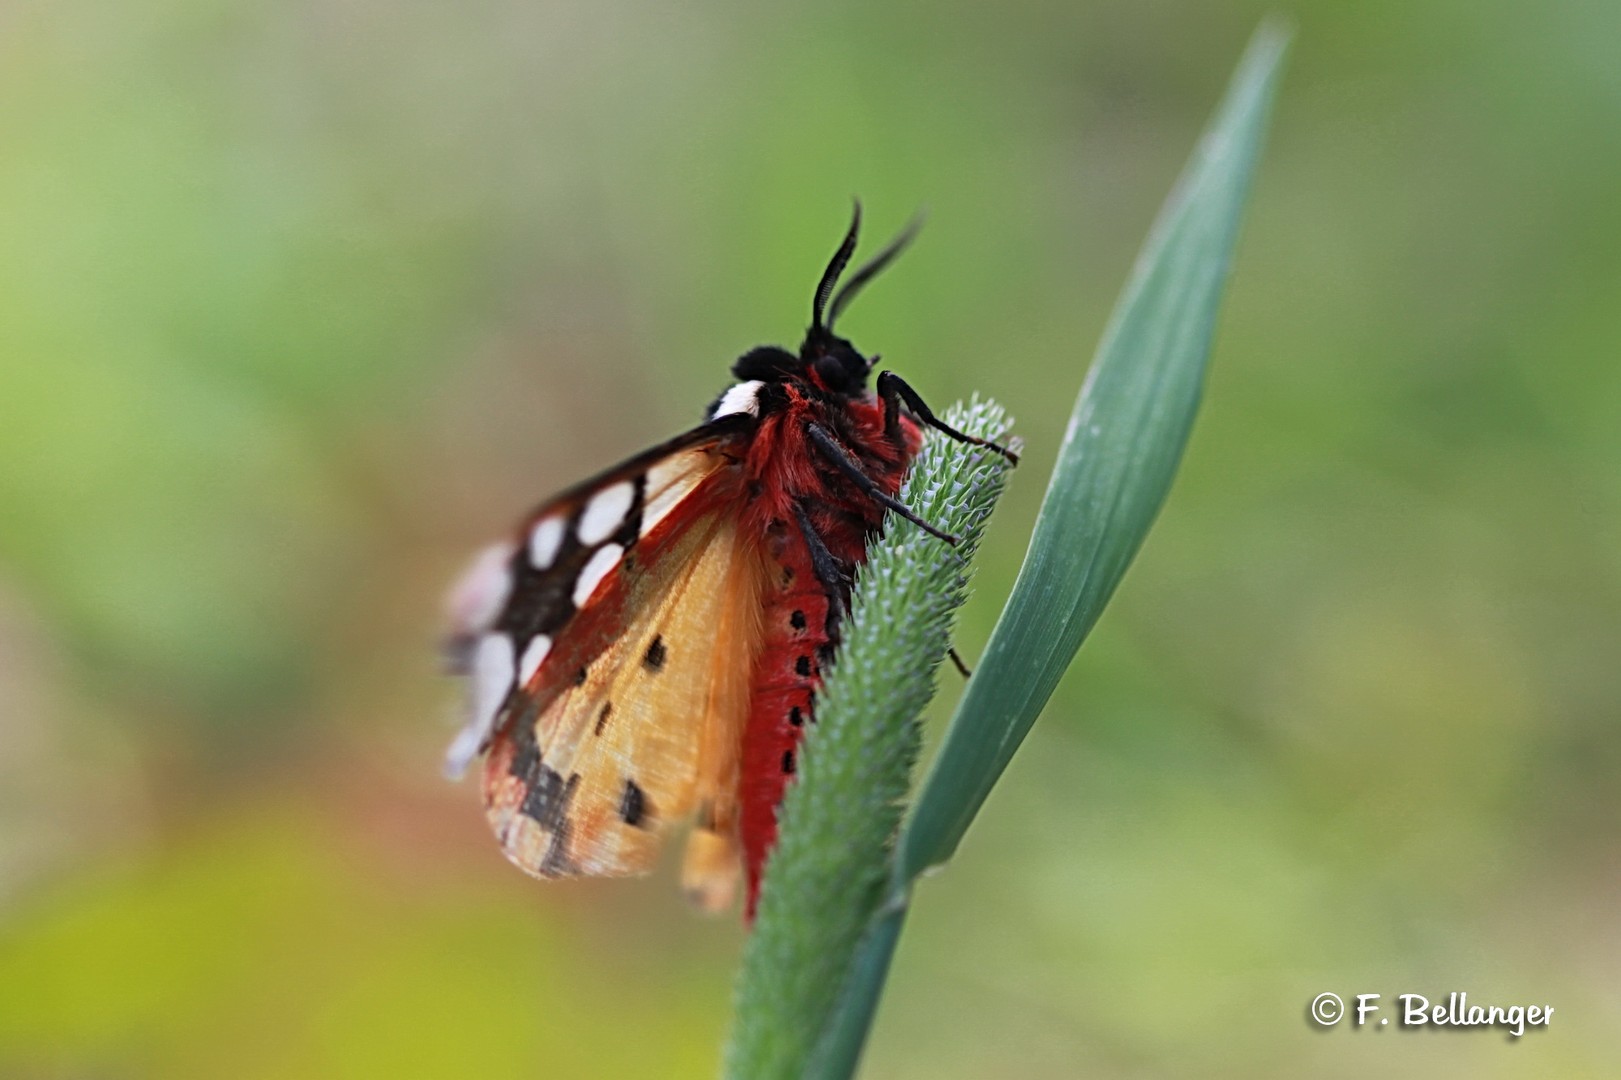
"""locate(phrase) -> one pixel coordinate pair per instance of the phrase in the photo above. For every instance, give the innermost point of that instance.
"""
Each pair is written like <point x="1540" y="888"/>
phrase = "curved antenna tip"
<point x="835" y="267"/>
<point x="871" y="268"/>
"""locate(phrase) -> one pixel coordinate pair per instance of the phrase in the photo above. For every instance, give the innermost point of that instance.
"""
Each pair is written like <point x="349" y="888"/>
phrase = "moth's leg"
<point x="892" y="390"/>
<point x="833" y="575"/>
<point x="836" y="579"/>
<point x="840" y="458"/>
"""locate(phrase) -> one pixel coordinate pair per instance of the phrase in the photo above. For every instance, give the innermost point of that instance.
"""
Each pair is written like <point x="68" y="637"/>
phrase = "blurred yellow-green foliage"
<point x="302" y="302"/>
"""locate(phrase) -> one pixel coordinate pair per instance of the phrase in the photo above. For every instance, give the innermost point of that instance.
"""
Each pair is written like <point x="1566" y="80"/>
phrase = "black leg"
<point x="834" y="578"/>
<point x="955" y="659"/>
<point x="849" y="466"/>
<point x="893" y="389"/>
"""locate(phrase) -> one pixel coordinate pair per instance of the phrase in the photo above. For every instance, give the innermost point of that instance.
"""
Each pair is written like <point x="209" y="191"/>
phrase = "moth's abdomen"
<point x="798" y="637"/>
<point x="787" y="672"/>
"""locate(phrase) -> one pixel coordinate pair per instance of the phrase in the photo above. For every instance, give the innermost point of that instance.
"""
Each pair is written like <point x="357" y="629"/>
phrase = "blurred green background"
<point x="303" y="302"/>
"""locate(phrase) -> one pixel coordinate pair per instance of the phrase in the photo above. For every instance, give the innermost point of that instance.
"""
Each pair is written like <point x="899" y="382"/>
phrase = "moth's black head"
<point x="836" y="364"/>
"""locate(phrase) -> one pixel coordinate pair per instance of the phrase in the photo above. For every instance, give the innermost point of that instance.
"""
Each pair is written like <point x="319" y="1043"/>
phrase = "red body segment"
<point x="800" y="617"/>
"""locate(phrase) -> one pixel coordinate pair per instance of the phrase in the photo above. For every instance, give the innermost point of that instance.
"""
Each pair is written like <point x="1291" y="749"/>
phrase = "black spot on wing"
<point x="602" y="718"/>
<point x="796" y="716"/>
<point x="634" y="807"/>
<point x="547" y="803"/>
<point x="525" y="753"/>
<point x="548" y="796"/>
<point x="802" y="667"/>
<point x="656" y="653"/>
<point x="579" y="677"/>
<point x="542" y="601"/>
<point x="543" y="605"/>
<point x="797" y="620"/>
<point x="788" y="762"/>
<point x="557" y="862"/>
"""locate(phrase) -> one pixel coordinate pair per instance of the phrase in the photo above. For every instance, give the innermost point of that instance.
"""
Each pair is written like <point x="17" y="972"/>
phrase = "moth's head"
<point x="835" y="363"/>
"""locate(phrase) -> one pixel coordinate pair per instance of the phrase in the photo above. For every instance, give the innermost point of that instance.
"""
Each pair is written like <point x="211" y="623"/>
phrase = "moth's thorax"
<point x="775" y="389"/>
<point x="780" y="468"/>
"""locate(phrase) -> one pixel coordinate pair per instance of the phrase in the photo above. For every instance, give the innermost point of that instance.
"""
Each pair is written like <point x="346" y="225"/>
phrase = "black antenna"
<point x="830" y="276"/>
<point x="871" y="269"/>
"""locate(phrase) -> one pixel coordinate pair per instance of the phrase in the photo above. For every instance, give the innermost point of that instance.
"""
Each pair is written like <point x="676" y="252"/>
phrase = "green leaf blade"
<point x="1120" y="452"/>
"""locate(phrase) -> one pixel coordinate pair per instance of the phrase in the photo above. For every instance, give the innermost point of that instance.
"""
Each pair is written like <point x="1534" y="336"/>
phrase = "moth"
<point x="647" y="648"/>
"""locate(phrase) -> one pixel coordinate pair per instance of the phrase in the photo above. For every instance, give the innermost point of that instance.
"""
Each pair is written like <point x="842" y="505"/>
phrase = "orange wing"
<point x="609" y="723"/>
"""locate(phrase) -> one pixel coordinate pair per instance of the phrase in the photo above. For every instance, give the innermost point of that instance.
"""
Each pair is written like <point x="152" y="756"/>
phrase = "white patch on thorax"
<point x="742" y="398"/>
<point x="606" y="512"/>
<point x="591" y="575"/>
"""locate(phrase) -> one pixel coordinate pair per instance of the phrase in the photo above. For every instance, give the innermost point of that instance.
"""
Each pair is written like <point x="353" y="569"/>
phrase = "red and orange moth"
<point x="647" y="649"/>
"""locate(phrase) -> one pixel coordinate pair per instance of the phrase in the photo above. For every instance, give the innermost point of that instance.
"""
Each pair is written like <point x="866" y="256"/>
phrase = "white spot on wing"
<point x="606" y="558"/>
<point x="742" y="398"/>
<point x="533" y="654"/>
<point x="544" y="541"/>
<point x="482" y="591"/>
<point x="463" y="749"/>
<point x="492" y="680"/>
<point x="606" y="512"/>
